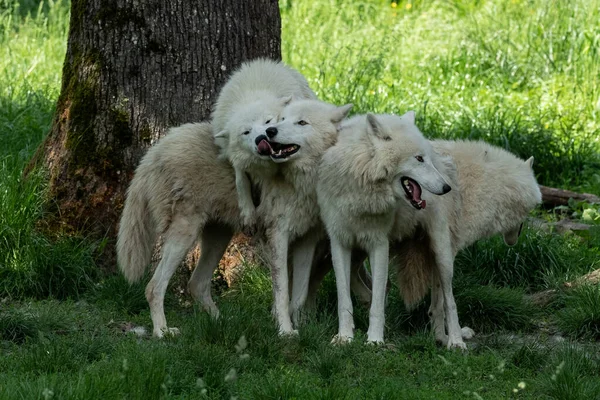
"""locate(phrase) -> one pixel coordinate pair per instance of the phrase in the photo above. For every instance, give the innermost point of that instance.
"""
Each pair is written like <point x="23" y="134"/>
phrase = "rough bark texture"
<point x="133" y="68"/>
<point x="560" y="197"/>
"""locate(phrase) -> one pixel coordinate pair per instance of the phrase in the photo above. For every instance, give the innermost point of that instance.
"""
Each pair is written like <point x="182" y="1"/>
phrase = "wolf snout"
<point x="446" y="188"/>
<point x="271" y="132"/>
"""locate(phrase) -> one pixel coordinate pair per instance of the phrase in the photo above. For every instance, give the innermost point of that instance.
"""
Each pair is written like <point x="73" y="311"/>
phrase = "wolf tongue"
<point x="264" y="147"/>
<point x="416" y="191"/>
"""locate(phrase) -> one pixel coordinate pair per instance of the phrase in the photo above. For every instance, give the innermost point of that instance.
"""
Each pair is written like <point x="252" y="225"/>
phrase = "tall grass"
<point x="519" y="74"/>
<point x="32" y="48"/>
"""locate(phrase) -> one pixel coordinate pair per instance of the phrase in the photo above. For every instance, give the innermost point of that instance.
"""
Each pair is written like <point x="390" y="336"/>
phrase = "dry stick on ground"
<point x="559" y="197"/>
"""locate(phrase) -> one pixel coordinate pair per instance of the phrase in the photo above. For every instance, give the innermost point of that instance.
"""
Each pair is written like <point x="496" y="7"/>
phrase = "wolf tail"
<point x="137" y="235"/>
<point x="415" y="265"/>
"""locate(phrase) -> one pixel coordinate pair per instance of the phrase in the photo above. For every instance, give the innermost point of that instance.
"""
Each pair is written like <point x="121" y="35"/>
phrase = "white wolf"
<point x="180" y="190"/>
<point x="495" y="193"/>
<point x="379" y="162"/>
<point x="288" y="208"/>
<point x="254" y="96"/>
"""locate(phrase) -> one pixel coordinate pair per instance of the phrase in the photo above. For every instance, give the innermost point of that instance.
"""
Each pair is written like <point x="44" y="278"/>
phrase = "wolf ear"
<point x="286" y="100"/>
<point x="221" y="134"/>
<point x="409" y="117"/>
<point x="530" y="162"/>
<point x="340" y="113"/>
<point x="375" y="128"/>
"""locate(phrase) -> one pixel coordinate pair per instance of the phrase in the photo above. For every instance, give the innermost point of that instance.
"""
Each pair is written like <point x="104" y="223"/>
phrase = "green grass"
<point x="519" y="74"/>
<point x="79" y="350"/>
<point x="580" y="316"/>
<point x="32" y="47"/>
<point x="522" y="75"/>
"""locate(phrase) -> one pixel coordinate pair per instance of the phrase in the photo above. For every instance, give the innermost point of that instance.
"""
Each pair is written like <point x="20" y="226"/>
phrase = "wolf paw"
<point x="467" y="333"/>
<point x="288" y="332"/>
<point x="456" y="344"/>
<point x="211" y="309"/>
<point x="166" y="332"/>
<point x="341" y="340"/>
<point x="249" y="219"/>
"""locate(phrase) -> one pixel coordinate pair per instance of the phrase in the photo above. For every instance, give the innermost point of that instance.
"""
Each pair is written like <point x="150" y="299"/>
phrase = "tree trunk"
<point x="133" y="68"/>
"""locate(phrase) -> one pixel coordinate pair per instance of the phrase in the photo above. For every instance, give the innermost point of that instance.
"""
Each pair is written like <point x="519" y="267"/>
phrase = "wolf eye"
<point x="245" y="132"/>
<point x="268" y="122"/>
<point x="302" y="122"/>
<point x="283" y="118"/>
<point x="419" y="158"/>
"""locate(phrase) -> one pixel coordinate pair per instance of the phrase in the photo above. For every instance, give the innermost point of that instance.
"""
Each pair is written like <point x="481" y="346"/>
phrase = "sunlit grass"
<point x="520" y="74"/>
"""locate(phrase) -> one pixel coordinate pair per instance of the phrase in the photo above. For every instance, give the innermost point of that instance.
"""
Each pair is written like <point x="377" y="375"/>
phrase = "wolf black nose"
<point x="446" y="188"/>
<point x="271" y="131"/>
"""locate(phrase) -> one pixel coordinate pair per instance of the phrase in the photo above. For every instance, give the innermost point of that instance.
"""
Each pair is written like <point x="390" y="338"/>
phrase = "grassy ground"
<point x="519" y="74"/>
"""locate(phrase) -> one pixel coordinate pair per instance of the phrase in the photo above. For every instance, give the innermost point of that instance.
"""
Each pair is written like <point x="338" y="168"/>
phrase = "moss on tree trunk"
<point x="133" y="68"/>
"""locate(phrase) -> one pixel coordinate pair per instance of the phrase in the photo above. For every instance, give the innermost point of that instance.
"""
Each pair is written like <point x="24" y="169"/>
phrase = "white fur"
<point x="495" y="193"/>
<point x="181" y="190"/>
<point x="252" y="98"/>
<point x="359" y="190"/>
<point x="288" y="206"/>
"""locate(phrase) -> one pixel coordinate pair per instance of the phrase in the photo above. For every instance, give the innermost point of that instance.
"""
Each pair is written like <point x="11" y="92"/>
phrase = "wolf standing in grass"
<point x="379" y="162"/>
<point x="495" y="193"/>
<point x="288" y="207"/>
<point x="180" y="190"/>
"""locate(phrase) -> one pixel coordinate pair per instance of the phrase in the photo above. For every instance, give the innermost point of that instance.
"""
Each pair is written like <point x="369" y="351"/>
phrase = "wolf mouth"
<point x="413" y="192"/>
<point x="275" y="150"/>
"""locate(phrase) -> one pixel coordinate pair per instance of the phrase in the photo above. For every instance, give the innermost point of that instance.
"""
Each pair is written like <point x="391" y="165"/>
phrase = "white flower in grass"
<point x="241" y="344"/>
<point x="47" y="393"/>
<point x="231" y="375"/>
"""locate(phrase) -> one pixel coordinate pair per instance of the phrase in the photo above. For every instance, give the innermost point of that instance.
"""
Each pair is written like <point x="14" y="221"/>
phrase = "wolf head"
<point x="529" y="197"/>
<point x="305" y="128"/>
<point x="249" y="122"/>
<point x="398" y="140"/>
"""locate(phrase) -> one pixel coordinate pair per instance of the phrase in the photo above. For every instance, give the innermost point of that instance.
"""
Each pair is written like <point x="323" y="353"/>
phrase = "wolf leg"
<point x="244" y="192"/>
<point x="279" y="244"/>
<point x="341" y="257"/>
<point x="436" y="309"/>
<point x="303" y="252"/>
<point x="179" y="238"/>
<point x="441" y="244"/>
<point x="436" y="314"/>
<point x="214" y="240"/>
<point x="379" y="258"/>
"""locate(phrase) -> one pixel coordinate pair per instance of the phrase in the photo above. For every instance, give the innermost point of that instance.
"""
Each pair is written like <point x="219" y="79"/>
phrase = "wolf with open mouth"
<point x="278" y="152"/>
<point x="493" y="192"/>
<point x="378" y="163"/>
<point x="250" y="101"/>
<point x="288" y="208"/>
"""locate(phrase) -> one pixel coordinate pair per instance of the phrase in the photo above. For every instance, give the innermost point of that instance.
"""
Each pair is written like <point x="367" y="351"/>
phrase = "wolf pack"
<point x="275" y="159"/>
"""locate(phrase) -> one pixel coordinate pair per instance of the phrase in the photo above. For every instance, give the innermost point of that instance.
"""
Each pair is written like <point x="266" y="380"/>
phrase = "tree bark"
<point x="133" y="68"/>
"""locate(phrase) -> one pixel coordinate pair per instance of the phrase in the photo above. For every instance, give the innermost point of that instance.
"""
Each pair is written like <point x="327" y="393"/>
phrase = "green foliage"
<point x="537" y="262"/>
<point x="488" y="309"/>
<point x="574" y="376"/>
<point x="580" y="316"/>
<point x="522" y="75"/>
<point x="116" y="292"/>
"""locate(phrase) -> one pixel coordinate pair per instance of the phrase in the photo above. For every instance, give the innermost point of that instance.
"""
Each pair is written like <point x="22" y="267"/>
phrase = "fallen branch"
<point x="559" y="197"/>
